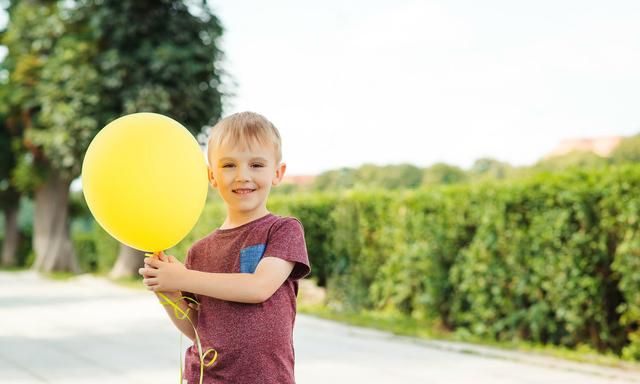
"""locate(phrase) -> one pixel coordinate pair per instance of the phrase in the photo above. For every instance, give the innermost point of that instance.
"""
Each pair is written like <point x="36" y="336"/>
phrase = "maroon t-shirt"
<point x="254" y="341"/>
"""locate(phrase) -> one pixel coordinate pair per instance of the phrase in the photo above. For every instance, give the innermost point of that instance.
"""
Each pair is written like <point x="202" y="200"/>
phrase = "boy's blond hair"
<point x="245" y="128"/>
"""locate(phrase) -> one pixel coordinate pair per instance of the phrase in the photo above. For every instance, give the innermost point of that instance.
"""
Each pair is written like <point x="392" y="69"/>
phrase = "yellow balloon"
<point x="145" y="181"/>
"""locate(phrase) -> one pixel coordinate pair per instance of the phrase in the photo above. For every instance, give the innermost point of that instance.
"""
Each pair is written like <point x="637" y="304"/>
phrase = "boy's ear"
<point x="212" y="180"/>
<point x="280" y="169"/>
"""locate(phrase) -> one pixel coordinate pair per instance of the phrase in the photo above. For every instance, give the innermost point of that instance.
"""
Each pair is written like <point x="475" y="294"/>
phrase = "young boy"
<point x="244" y="274"/>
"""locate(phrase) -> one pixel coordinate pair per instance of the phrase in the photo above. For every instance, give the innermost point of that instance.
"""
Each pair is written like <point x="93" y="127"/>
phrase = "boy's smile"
<point x="243" y="191"/>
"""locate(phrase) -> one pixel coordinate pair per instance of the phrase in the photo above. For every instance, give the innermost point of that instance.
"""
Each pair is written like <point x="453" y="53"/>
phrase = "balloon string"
<point x="180" y="314"/>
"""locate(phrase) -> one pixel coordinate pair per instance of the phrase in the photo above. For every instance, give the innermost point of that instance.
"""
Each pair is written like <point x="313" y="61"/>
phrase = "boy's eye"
<point x="257" y="165"/>
<point x="228" y="165"/>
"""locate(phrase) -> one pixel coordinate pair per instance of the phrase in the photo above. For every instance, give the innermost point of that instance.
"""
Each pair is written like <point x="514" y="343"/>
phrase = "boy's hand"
<point x="163" y="274"/>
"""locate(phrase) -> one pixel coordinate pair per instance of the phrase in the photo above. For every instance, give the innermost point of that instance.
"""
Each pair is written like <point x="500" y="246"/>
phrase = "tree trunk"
<point x="11" y="236"/>
<point x="51" y="235"/>
<point x="128" y="262"/>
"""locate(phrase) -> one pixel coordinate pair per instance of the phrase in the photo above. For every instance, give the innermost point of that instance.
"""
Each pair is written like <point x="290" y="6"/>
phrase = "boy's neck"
<point x="236" y="219"/>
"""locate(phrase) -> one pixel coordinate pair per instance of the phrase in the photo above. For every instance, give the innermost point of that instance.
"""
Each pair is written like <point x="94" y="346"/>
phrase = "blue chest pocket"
<point x="250" y="257"/>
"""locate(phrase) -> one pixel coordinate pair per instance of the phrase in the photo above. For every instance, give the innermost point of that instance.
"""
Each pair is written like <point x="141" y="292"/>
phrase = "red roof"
<point x="298" y="179"/>
<point x="602" y="146"/>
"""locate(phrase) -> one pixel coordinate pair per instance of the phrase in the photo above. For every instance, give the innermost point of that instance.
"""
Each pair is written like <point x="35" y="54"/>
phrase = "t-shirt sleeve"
<point x="187" y="260"/>
<point x="187" y="263"/>
<point x="286" y="241"/>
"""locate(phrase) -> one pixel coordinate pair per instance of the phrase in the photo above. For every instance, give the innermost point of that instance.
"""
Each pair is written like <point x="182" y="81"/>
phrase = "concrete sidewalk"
<point x="90" y="330"/>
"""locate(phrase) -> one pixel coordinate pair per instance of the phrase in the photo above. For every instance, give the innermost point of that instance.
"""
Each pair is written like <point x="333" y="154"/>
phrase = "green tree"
<point x="442" y="173"/>
<point x="10" y="136"/>
<point x="167" y="61"/>
<point x="74" y="66"/>
<point x="9" y="195"/>
<point x="575" y="159"/>
<point x="44" y="166"/>
<point x="628" y="151"/>
<point x="342" y="178"/>
<point x="395" y="176"/>
<point x="488" y="168"/>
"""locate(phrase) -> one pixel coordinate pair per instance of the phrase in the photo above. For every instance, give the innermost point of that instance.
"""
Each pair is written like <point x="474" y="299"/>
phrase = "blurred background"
<point x="464" y="170"/>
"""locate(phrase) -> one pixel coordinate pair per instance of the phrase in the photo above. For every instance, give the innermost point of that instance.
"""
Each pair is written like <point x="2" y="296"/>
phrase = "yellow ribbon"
<point x="180" y="314"/>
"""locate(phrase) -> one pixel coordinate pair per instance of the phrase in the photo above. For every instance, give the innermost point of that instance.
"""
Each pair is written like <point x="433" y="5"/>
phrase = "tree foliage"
<point x="407" y="176"/>
<point x="628" y="151"/>
<point x="441" y="173"/>
<point x="575" y="159"/>
<point x="74" y="66"/>
<point x="489" y="168"/>
<point x="157" y="56"/>
<point x="8" y="193"/>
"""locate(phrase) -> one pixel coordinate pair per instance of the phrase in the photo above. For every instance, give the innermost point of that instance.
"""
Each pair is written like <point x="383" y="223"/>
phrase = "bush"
<point x="364" y="237"/>
<point x="95" y="249"/>
<point x="621" y="207"/>
<point x="315" y="213"/>
<point x="551" y="259"/>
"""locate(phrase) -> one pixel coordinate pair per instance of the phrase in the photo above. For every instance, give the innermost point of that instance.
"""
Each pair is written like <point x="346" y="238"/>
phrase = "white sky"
<point x="357" y="81"/>
<point x="349" y="82"/>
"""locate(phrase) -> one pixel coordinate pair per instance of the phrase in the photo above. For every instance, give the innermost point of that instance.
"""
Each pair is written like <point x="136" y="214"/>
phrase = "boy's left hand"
<point x="162" y="275"/>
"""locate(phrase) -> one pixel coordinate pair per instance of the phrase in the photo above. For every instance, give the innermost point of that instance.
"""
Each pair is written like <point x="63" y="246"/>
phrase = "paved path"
<point x="89" y="330"/>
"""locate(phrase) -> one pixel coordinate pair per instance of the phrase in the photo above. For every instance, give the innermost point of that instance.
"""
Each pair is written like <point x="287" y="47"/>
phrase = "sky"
<point x="388" y="82"/>
<point x="420" y="82"/>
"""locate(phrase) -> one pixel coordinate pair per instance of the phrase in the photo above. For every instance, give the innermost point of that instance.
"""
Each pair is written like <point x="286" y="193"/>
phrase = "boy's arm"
<point x="251" y="288"/>
<point x="182" y="324"/>
<point x="174" y="296"/>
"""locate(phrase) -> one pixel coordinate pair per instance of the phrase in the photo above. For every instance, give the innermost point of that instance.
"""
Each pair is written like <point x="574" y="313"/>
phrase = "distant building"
<point x="601" y="146"/>
<point x="298" y="179"/>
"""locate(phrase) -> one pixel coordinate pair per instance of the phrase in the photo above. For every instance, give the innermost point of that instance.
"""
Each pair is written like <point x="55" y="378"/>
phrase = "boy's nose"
<point x="242" y="174"/>
<point x="241" y="179"/>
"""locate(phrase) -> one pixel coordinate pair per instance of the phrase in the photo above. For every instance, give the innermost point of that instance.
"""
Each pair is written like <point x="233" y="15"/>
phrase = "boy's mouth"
<point x="242" y="191"/>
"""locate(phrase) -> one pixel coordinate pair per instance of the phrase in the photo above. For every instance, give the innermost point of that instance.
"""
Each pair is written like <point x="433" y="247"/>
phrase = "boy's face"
<point x="244" y="176"/>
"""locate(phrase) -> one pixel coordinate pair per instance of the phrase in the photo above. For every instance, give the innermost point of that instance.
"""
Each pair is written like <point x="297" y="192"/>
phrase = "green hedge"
<point x="553" y="259"/>
<point x="431" y="227"/>
<point x="315" y="212"/>
<point x="536" y="268"/>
